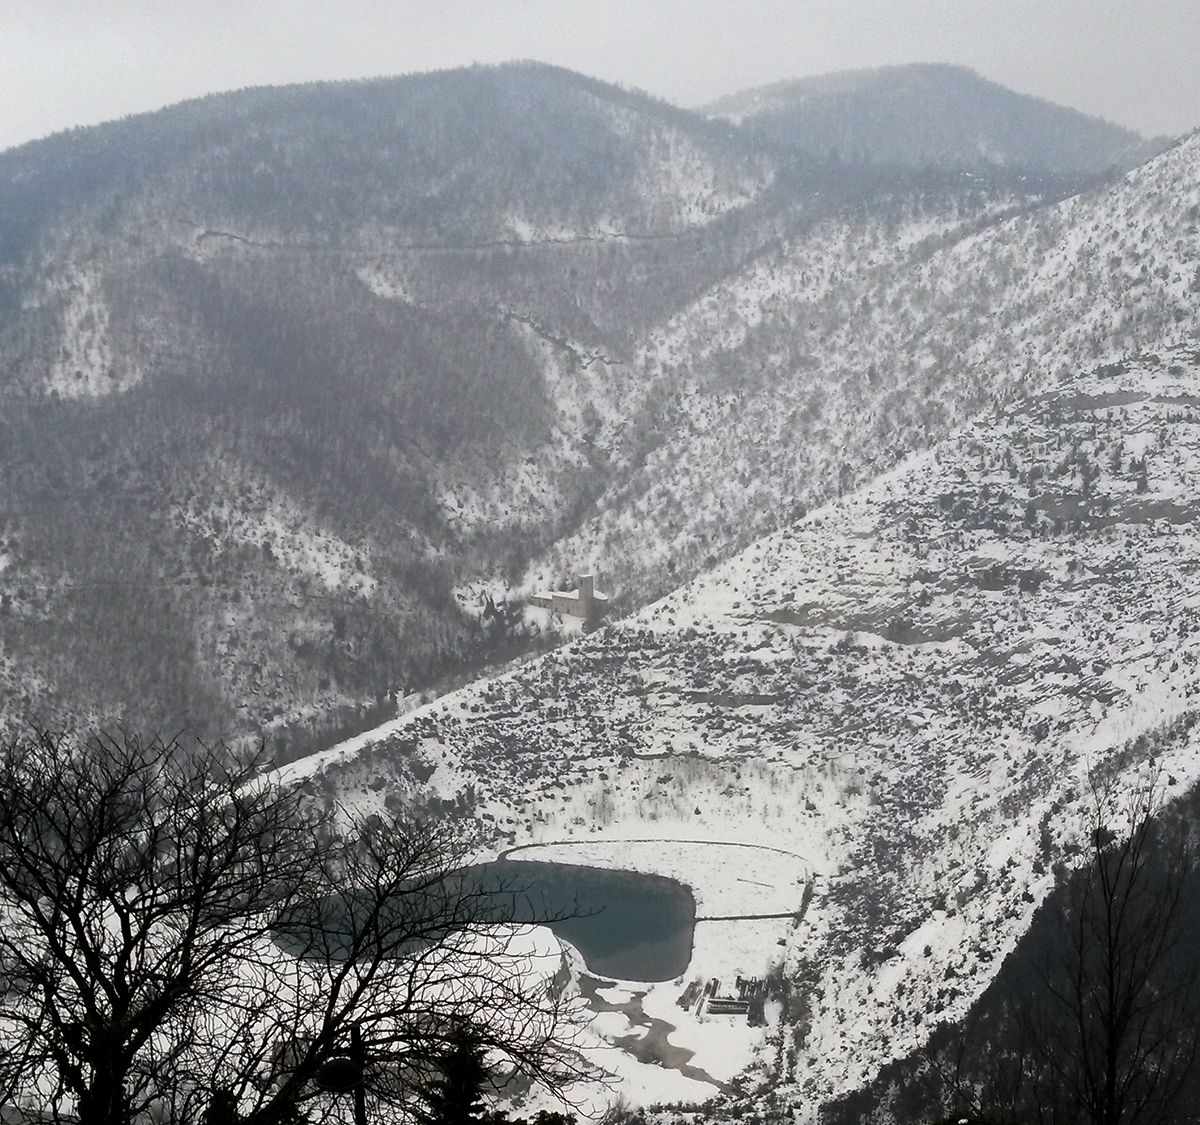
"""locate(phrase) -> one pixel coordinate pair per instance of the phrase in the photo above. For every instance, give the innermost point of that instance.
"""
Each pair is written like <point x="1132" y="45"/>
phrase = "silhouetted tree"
<point x="456" y="1095"/>
<point x="1105" y="1029"/>
<point x="183" y="936"/>
<point x="1114" y="1023"/>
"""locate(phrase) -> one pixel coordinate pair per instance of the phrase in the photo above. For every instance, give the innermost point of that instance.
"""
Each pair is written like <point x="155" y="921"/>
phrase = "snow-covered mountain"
<point x="249" y="346"/>
<point x="293" y="379"/>
<point x="929" y="114"/>
<point x="906" y="691"/>
<point x="831" y="357"/>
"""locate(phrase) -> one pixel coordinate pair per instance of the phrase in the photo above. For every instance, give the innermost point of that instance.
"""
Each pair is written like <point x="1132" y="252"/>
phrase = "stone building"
<point x="584" y="601"/>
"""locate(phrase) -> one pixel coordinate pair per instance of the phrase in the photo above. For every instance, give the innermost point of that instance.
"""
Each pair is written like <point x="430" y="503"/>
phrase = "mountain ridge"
<point x="919" y="113"/>
<point x="968" y="318"/>
<point x="357" y="431"/>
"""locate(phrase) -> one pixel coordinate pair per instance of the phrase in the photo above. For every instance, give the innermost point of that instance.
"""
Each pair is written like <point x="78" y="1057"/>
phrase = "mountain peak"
<point x="930" y="113"/>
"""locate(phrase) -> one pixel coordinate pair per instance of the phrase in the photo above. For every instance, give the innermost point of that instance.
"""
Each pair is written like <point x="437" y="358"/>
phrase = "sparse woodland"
<point x="277" y="392"/>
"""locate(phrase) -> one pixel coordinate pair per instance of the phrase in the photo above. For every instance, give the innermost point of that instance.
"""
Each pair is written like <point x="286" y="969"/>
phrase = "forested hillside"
<point x="926" y="114"/>
<point x="831" y="357"/>
<point x="245" y="340"/>
<point x="291" y="378"/>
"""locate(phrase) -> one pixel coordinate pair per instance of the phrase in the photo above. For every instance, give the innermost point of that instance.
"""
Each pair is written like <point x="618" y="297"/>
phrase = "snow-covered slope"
<point x="908" y="689"/>
<point x="468" y="333"/>
<point x="829" y="361"/>
<point x="924" y="114"/>
<point x="281" y="367"/>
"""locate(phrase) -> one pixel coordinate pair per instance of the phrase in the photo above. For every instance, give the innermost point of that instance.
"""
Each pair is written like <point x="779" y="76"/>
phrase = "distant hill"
<point x="929" y="114"/>
<point x="450" y="157"/>
<point x="248" y="342"/>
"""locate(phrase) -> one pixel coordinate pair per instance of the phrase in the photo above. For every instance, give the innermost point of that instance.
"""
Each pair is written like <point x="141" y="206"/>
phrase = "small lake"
<point x="624" y="924"/>
<point x="629" y="925"/>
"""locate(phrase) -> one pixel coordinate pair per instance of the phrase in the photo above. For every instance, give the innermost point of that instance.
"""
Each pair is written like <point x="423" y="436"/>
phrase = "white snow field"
<point x="904" y="693"/>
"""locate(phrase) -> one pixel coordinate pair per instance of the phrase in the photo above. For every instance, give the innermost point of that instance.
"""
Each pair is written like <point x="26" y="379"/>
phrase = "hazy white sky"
<point x="75" y="62"/>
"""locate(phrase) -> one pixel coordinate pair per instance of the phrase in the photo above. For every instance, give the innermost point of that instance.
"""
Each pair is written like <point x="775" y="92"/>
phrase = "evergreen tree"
<point x="455" y="1096"/>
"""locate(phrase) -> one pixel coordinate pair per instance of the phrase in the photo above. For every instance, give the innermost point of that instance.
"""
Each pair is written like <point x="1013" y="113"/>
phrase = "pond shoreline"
<point x="627" y="924"/>
<point x="509" y="855"/>
<point x="589" y="841"/>
<point x="655" y="1046"/>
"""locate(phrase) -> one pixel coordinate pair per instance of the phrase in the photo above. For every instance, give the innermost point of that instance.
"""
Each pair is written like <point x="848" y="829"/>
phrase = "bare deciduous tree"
<point x="1116" y="1017"/>
<point x="180" y="939"/>
<point x="1103" y="1025"/>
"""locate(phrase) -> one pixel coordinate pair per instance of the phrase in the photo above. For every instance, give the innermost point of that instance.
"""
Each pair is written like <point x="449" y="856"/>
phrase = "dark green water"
<point x="629" y="925"/>
<point x="624" y="924"/>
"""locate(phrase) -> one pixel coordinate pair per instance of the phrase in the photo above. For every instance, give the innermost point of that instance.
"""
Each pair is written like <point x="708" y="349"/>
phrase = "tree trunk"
<point x="104" y="1102"/>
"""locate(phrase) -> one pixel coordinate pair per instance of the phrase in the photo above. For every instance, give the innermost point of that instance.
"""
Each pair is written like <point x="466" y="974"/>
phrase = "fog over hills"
<point x="930" y="114"/>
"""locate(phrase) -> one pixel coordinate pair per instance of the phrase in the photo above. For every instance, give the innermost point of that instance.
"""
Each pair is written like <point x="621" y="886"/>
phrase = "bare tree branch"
<point x="176" y="934"/>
